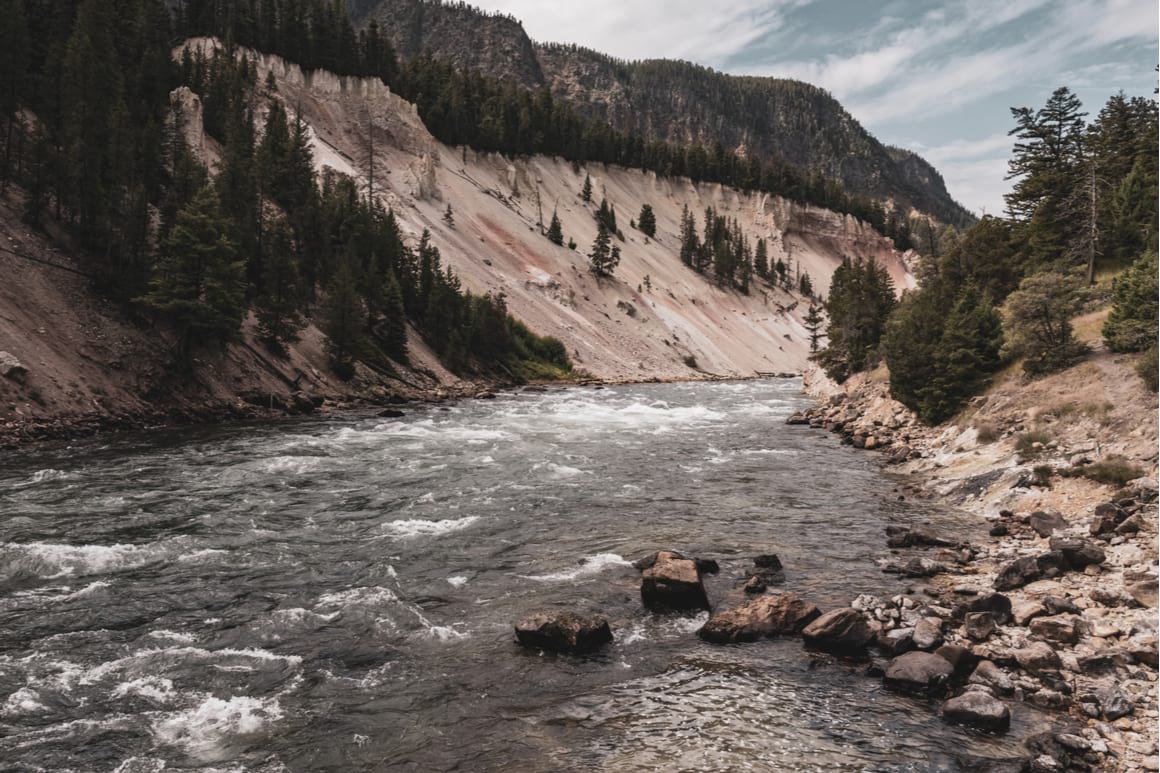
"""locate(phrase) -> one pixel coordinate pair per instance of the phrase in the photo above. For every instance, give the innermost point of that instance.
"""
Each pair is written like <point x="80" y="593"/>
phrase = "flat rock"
<point x="918" y="672"/>
<point x="1078" y="552"/>
<point x="979" y="626"/>
<point x="1024" y="612"/>
<point x="1046" y="522"/>
<point x="1064" y="629"/>
<point x="843" y="631"/>
<point x="978" y="710"/>
<point x="1017" y="574"/>
<point x="673" y="585"/>
<point x="906" y="537"/>
<point x="563" y="632"/>
<point x="928" y="633"/>
<point x="11" y="367"/>
<point x="765" y="616"/>
<point x="990" y="675"/>
<point x="1037" y="657"/>
<point x="1144" y="593"/>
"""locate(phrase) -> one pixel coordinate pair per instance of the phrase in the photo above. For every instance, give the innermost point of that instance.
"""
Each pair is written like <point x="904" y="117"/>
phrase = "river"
<point x="337" y="594"/>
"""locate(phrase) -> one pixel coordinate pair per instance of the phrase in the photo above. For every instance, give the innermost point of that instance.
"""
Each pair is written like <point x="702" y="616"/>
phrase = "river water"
<point x="338" y="594"/>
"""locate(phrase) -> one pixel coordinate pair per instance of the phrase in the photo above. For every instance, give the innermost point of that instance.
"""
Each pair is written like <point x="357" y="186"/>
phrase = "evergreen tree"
<point x="813" y="325"/>
<point x="690" y="245"/>
<point x="1038" y="322"/>
<point x="1132" y="324"/>
<point x="449" y="217"/>
<point x="860" y="301"/>
<point x="602" y="259"/>
<point x="586" y="191"/>
<point x="278" y="305"/>
<point x="967" y="355"/>
<point x="761" y="260"/>
<point x="343" y="321"/>
<point x="199" y="283"/>
<point x="555" y="230"/>
<point x="647" y="222"/>
<point x="394" y="324"/>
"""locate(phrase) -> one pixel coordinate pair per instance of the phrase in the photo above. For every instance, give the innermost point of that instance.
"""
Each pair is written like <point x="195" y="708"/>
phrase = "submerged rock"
<point x="765" y="616"/>
<point x="563" y="632"/>
<point x="842" y="631"/>
<point x="978" y="709"/>
<point x="905" y="537"/>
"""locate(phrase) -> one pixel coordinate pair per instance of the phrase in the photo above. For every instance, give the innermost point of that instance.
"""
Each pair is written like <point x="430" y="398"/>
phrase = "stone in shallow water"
<point x="673" y="585"/>
<point x="928" y="633"/>
<point x="980" y="710"/>
<point x="919" y="672"/>
<point x="563" y="632"/>
<point x="765" y="616"/>
<point x="844" y="631"/>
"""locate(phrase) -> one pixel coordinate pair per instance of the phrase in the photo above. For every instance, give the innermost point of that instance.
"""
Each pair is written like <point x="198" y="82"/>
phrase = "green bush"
<point x="1114" y="471"/>
<point x="1147" y="368"/>
<point x="1132" y="324"/>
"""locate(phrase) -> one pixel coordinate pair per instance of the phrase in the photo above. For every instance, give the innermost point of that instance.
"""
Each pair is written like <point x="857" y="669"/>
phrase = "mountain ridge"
<point x="675" y="101"/>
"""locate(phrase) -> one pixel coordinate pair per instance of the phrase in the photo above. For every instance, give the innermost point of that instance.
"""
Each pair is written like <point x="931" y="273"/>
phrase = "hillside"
<point x="673" y="101"/>
<point x="655" y="319"/>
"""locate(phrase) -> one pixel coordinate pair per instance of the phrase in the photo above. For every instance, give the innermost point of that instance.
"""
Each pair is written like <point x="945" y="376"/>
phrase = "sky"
<point x="938" y="78"/>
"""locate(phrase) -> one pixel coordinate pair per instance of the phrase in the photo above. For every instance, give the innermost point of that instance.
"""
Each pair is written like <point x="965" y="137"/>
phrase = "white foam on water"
<point x="155" y="659"/>
<point x="416" y="528"/>
<point x="443" y="633"/>
<point x="559" y="470"/>
<point x="154" y="688"/>
<point x="141" y="765"/>
<point x="181" y="638"/>
<point x="208" y="731"/>
<point x="485" y="460"/>
<point x="49" y="560"/>
<point x="636" y="633"/>
<point x="22" y="702"/>
<point x="457" y="581"/>
<point x="198" y="556"/>
<point x="426" y="499"/>
<point x="770" y="452"/>
<point x="45" y="476"/>
<point x="591" y="565"/>
<point x="374" y="596"/>
<point x="292" y="465"/>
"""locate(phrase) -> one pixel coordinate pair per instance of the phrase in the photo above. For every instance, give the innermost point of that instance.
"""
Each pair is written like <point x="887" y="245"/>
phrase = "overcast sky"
<point x="935" y="77"/>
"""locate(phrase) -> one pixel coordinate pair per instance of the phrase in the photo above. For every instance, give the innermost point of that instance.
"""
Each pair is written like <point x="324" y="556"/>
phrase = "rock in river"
<point x="765" y="616"/>
<point x="843" y="631"/>
<point x="980" y="710"/>
<point x="563" y="632"/>
<point x="919" y="672"/>
<point x="673" y="584"/>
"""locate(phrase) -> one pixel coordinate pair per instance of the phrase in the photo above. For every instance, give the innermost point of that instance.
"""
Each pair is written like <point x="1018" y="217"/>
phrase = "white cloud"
<point x="645" y="29"/>
<point x="973" y="169"/>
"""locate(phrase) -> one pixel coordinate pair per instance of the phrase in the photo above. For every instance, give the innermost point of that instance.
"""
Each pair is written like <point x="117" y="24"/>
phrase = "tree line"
<point x="92" y="138"/>
<point x="1083" y="204"/>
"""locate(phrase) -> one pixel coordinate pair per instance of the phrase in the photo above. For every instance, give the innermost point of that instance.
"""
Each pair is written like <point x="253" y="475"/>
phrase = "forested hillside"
<point x="1080" y="235"/>
<point x="780" y="122"/>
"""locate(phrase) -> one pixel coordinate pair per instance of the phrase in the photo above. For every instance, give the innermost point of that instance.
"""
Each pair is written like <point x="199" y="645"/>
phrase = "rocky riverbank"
<point x="1057" y="606"/>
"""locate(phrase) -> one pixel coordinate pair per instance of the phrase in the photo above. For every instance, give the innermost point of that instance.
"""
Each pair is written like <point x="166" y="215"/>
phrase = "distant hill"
<point x="674" y="101"/>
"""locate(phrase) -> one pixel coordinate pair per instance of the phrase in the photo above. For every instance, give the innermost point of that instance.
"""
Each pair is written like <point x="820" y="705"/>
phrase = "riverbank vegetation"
<point x="1080" y="233"/>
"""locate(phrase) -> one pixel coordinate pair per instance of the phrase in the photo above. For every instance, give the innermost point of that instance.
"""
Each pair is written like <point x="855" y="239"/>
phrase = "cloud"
<point x="643" y="29"/>
<point x="973" y="169"/>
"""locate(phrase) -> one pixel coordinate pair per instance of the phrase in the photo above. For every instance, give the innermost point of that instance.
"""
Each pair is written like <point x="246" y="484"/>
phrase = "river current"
<point x="337" y="594"/>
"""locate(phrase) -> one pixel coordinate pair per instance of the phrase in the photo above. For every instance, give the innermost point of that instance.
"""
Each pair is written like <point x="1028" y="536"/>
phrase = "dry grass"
<point x="986" y="430"/>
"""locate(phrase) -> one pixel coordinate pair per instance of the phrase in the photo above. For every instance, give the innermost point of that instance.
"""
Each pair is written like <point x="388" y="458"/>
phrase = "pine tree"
<point x="602" y="258"/>
<point x="647" y="222"/>
<point x="394" y="325"/>
<point x="813" y="325"/>
<point x="965" y="357"/>
<point x="449" y="217"/>
<point x="278" y="304"/>
<point x="343" y="321"/>
<point x="586" y="191"/>
<point x="690" y="246"/>
<point x="1132" y="324"/>
<point x="1038" y="322"/>
<point x="761" y="260"/>
<point x="555" y="230"/>
<point x="199" y="282"/>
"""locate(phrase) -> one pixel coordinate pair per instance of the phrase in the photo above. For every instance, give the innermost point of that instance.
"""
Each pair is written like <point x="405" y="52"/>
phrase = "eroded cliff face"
<point x="656" y="318"/>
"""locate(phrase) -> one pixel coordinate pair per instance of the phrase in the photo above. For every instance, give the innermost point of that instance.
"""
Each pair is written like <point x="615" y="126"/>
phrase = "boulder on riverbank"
<point x="673" y="583"/>
<point x="842" y="631"/>
<point x="766" y="616"/>
<point x="919" y="672"/>
<point x="563" y="632"/>
<point x="980" y="710"/>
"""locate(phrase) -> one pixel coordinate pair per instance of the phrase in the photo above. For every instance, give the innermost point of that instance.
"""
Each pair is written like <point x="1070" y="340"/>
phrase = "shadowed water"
<point x="338" y="594"/>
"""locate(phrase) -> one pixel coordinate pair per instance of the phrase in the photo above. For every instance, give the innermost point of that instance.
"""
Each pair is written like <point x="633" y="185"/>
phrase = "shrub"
<point x="1132" y="324"/>
<point x="1025" y="444"/>
<point x="986" y="431"/>
<point x="1147" y="368"/>
<point x="1041" y="475"/>
<point x="1114" y="471"/>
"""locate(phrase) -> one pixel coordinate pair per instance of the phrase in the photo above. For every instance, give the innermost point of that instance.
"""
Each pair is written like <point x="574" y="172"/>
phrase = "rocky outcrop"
<point x="766" y="616"/>
<point x="567" y="632"/>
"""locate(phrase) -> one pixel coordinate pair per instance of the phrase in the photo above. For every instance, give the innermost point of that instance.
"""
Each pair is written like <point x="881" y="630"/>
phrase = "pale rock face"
<point x="683" y="325"/>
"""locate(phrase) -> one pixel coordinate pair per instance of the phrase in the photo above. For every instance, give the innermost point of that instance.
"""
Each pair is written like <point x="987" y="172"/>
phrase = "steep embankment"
<point x="1075" y="557"/>
<point x="90" y="366"/>
<point x="656" y="316"/>
<point x="678" y="102"/>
